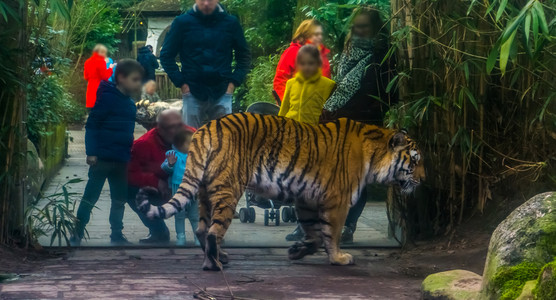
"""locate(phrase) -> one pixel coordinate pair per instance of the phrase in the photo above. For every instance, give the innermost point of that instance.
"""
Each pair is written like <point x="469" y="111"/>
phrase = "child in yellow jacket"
<point x="307" y="92"/>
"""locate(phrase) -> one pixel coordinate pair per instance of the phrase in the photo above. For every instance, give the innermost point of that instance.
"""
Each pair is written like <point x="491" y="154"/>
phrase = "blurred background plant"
<point x="53" y="215"/>
<point x="477" y="84"/>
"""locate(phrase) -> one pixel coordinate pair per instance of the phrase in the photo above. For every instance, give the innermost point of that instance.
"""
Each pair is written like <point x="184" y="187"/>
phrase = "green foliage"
<point x="259" y="83"/>
<point x="53" y="215"/>
<point x="509" y="281"/>
<point x="49" y="103"/>
<point x="477" y="93"/>
<point x="335" y="15"/>
<point x="546" y="283"/>
<point x="529" y="20"/>
<point x="267" y="25"/>
<point x="92" y="22"/>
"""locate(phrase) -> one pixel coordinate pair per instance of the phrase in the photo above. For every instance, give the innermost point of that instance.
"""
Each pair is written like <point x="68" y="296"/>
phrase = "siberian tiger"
<point x="322" y="169"/>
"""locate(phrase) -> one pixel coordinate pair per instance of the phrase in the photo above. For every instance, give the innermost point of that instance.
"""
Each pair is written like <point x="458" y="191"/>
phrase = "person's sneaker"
<point x="180" y="240"/>
<point x="296" y="235"/>
<point x="347" y="236"/>
<point x="75" y="241"/>
<point x="119" y="240"/>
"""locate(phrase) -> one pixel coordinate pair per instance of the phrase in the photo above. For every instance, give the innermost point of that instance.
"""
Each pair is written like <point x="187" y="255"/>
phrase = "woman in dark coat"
<point x="147" y="59"/>
<point x="361" y="87"/>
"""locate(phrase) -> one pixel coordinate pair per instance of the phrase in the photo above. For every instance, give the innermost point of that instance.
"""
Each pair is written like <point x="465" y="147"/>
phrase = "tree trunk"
<point x="12" y="120"/>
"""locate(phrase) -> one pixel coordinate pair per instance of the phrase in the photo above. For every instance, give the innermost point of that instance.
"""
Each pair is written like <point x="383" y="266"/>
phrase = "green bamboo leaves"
<point x="528" y="19"/>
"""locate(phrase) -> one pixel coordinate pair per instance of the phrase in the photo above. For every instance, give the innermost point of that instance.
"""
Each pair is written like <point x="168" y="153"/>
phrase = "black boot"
<point x="119" y="239"/>
<point x="296" y="235"/>
<point x="347" y="235"/>
<point x="155" y="239"/>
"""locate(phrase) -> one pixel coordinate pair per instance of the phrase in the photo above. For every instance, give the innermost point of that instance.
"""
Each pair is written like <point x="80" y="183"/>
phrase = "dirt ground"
<point x="256" y="273"/>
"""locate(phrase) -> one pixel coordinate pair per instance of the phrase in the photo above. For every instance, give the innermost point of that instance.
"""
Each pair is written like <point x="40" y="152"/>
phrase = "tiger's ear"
<point x="398" y="140"/>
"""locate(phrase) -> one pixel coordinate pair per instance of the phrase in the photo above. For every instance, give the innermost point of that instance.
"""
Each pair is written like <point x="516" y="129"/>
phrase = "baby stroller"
<point x="271" y="207"/>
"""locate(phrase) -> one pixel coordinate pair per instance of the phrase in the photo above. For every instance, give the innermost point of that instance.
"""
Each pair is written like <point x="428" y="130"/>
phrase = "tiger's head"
<point x="406" y="164"/>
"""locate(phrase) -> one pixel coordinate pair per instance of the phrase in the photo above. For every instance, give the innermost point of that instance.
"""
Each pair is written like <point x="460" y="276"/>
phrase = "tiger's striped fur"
<point x="322" y="169"/>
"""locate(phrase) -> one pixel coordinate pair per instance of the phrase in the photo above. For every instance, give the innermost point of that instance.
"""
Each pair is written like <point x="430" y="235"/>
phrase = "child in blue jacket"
<point x="175" y="166"/>
<point x="108" y="141"/>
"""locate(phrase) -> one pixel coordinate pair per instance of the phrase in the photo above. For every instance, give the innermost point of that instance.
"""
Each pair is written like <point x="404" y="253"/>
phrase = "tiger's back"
<point x="323" y="169"/>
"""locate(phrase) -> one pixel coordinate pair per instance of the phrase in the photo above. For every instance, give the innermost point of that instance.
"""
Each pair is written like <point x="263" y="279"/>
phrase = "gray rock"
<point x="451" y="285"/>
<point x="34" y="173"/>
<point x="528" y="234"/>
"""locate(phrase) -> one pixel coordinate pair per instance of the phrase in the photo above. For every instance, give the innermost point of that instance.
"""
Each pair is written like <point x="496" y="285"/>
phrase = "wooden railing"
<point x="166" y="89"/>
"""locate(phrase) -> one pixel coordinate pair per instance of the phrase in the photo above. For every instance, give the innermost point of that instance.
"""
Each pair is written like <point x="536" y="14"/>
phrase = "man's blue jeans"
<point x="196" y="113"/>
<point x="156" y="227"/>
<point x="116" y="174"/>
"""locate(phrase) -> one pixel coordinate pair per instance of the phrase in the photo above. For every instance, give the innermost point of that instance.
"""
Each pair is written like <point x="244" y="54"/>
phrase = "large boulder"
<point x="546" y="285"/>
<point x="527" y="235"/>
<point x="451" y="285"/>
<point x="519" y="248"/>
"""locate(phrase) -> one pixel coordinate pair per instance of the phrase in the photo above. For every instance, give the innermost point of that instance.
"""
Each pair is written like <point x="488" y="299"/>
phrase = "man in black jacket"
<point x="147" y="59"/>
<point x="207" y="40"/>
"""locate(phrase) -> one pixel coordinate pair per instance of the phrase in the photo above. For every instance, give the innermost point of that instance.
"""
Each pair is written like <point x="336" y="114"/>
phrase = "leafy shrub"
<point x="49" y="103"/>
<point x="546" y="284"/>
<point x="509" y="281"/>
<point x="259" y="83"/>
<point x="53" y="215"/>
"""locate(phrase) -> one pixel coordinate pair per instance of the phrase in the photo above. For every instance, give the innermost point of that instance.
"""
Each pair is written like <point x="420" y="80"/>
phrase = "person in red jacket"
<point x="147" y="154"/>
<point x="308" y="32"/>
<point x="95" y="72"/>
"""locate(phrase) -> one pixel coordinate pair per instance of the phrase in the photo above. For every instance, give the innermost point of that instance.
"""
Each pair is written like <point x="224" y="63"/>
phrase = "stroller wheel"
<point x="286" y="214"/>
<point x="243" y="215"/>
<point x="293" y="215"/>
<point x="277" y="218"/>
<point x="252" y="214"/>
<point x="266" y="217"/>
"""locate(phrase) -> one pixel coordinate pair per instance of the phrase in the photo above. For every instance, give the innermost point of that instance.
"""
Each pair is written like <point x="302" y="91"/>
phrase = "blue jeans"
<point x="116" y="174"/>
<point x="156" y="227"/>
<point x="196" y="113"/>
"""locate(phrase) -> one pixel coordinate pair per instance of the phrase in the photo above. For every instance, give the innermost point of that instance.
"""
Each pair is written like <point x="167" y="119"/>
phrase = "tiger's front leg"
<point x="223" y="206"/>
<point x="333" y="220"/>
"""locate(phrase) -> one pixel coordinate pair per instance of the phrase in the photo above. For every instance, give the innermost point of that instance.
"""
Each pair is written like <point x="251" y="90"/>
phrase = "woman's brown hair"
<point x="376" y="22"/>
<point x="305" y="31"/>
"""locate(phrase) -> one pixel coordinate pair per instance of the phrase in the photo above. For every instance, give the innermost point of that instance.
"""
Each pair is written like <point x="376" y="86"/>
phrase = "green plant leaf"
<point x="501" y="9"/>
<point x="527" y="28"/>
<point x="540" y="12"/>
<point x="491" y="60"/>
<point x="391" y="84"/>
<point x="505" y="52"/>
<point x="60" y="7"/>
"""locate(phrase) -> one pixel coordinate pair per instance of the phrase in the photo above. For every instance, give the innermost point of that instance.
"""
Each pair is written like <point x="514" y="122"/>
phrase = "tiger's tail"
<point x="194" y="172"/>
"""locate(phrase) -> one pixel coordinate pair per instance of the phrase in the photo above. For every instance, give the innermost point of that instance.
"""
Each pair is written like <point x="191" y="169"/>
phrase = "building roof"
<point x="157" y="7"/>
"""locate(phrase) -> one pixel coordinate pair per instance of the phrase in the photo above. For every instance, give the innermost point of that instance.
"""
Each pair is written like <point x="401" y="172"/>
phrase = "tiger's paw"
<point x="211" y="262"/>
<point x="142" y="200"/>
<point x="300" y="250"/>
<point x="223" y="257"/>
<point x="341" y="259"/>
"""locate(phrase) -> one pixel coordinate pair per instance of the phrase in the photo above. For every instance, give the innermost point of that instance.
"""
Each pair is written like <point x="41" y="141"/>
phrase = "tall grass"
<point x="477" y="80"/>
